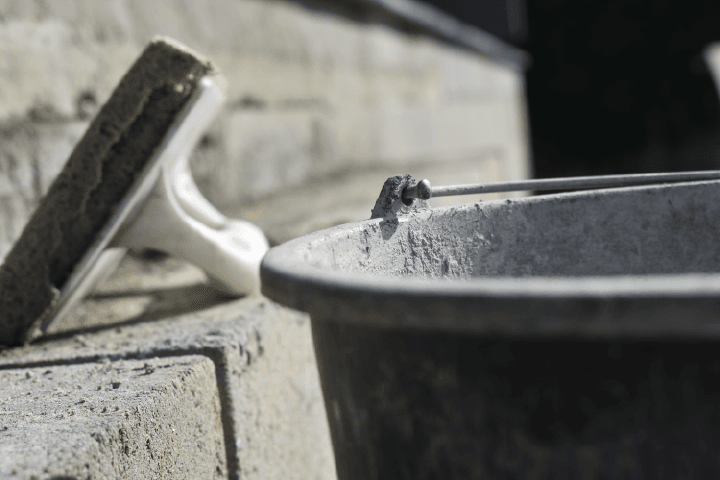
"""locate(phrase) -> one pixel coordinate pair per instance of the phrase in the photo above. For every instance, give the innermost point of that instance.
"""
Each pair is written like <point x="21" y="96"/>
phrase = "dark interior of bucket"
<point x="644" y="230"/>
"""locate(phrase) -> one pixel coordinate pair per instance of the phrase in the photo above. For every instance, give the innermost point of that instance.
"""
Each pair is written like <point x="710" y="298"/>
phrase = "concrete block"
<point x="466" y="77"/>
<point x="268" y="150"/>
<point x="271" y="406"/>
<point x="156" y="418"/>
<point x="45" y="69"/>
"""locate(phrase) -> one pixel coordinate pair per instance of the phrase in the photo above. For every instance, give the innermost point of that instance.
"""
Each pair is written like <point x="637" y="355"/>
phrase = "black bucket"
<point x="570" y="336"/>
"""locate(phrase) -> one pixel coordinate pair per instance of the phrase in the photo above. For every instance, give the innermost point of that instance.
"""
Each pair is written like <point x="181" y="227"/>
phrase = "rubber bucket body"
<point x="562" y="336"/>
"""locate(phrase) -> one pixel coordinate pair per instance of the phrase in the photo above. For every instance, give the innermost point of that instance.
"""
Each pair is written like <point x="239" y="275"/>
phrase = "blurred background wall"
<point x="325" y="100"/>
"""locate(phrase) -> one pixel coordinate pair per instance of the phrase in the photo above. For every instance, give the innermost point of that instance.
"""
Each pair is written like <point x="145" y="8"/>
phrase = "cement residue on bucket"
<point x="664" y="230"/>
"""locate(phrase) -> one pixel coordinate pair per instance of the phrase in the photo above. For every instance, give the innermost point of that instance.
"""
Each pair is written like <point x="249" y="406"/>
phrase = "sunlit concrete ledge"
<point x="231" y="390"/>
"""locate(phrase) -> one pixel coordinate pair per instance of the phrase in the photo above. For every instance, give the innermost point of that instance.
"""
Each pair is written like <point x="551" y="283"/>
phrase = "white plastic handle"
<point x="229" y="251"/>
<point x="165" y="210"/>
<point x="176" y="218"/>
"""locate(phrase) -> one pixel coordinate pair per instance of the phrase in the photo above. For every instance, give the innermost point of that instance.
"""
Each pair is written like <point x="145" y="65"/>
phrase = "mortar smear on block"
<point x="103" y="166"/>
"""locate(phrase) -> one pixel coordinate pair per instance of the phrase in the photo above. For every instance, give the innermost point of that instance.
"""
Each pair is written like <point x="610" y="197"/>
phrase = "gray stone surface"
<point x="272" y="411"/>
<point x="153" y="418"/>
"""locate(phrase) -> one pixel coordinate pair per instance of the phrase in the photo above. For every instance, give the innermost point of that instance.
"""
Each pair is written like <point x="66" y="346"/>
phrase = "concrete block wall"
<point x="310" y="94"/>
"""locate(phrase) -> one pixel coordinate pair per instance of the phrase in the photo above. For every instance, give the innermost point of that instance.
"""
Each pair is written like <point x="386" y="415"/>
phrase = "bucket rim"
<point x="649" y="305"/>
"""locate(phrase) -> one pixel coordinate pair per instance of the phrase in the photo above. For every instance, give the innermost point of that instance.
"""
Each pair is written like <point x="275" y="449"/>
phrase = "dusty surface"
<point x="660" y="230"/>
<point x="273" y="416"/>
<point x="144" y="287"/>
<point x="155" y="418"/>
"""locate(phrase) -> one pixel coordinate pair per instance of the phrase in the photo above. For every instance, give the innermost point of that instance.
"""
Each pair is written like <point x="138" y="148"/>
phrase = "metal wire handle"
<point x="425" y="191"/>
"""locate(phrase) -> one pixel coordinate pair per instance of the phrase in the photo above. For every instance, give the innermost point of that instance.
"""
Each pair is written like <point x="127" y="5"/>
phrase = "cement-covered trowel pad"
<point x="100" y="171"/>
<point x="155" y="418"/>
